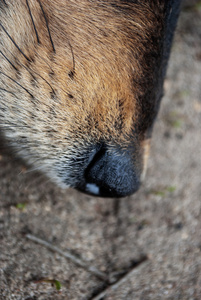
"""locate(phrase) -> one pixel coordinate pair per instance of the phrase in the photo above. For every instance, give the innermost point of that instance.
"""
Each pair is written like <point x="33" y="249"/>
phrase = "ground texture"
<point x="147" y="246"/>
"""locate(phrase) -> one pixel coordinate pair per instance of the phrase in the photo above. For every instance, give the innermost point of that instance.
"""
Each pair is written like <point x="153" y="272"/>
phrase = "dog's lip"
<point x="94" y="190"/>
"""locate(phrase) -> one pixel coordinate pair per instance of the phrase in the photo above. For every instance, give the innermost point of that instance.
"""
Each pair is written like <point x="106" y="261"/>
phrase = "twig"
<point x="117" y="284"/>
<point x="80" y="263"/>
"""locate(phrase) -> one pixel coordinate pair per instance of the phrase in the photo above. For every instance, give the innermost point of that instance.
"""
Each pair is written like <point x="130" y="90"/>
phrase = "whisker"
<point x="14" y="42"/>
<point x="1" y="89"/>
<point x="45" y="62"/>
<point x="8" y="60"/>
<point x="38" y="180"/>
<point x="22" y="65"/>
<point x="71" y="73"/>
<point x="19" y="107"/>
<point x="4" y="1"/>
<point x="37" y="37"/>
<point x="17" y="83"/>
<point x="16" y="105"/>
<point x="53" y="91"/>
<point x="34" y="169"/>
<point x="46" y="21"/>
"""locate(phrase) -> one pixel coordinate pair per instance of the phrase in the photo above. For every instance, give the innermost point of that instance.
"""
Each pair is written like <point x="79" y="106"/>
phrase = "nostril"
<point x="99" y="154"/>
<point x="110" y="174"/>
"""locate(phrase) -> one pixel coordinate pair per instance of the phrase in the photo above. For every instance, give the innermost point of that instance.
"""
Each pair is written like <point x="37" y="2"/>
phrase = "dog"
<point x="80" y="87"/>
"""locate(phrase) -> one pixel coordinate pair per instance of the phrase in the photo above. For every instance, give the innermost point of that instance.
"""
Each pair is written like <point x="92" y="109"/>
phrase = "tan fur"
<point x="84" y="90"/>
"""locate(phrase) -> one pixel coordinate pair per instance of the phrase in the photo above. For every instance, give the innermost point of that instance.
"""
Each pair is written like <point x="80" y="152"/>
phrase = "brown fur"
<point x="84" y="82"/>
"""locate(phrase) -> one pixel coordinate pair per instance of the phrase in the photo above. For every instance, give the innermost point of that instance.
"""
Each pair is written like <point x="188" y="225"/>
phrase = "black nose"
<point x="111" y="173"/>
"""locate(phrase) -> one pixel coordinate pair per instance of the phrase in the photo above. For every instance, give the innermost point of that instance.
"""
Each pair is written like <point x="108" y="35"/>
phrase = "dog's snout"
<point x="111" y="173"/>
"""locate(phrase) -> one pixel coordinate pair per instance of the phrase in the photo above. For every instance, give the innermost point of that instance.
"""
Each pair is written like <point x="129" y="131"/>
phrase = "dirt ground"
<point x="147" y="246"/>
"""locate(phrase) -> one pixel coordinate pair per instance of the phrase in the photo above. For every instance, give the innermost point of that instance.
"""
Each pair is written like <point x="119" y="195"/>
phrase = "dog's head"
<point x="80" y="87"/>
